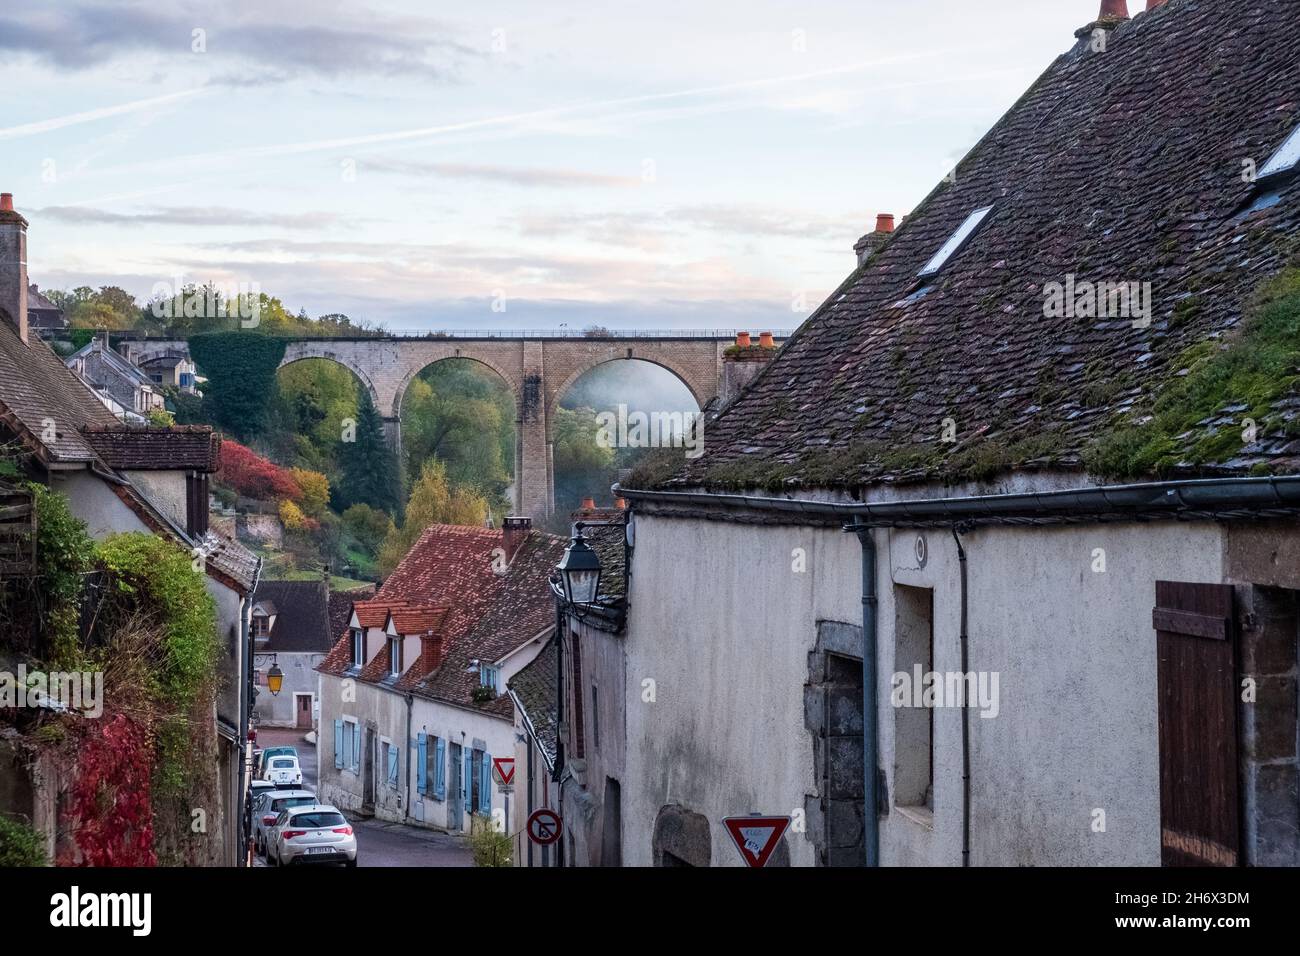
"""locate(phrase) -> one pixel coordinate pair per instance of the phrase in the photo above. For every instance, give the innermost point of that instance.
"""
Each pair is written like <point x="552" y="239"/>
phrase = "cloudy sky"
<point x="413" y="162"/>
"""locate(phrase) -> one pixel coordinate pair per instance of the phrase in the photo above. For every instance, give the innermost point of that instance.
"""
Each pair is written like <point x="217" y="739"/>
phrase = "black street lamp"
<point x="580" y="573"/>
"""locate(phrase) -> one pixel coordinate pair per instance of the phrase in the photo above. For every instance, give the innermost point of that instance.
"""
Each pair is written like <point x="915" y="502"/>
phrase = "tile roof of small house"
<point x="36" y="387"/>
<point x="521" y="609"/>
<point x="418" y="619"/>
<point x="340" y="608"/>
<point x="535" y="686"/>
<point x="301" y="611"/>
<point x="154" y="447"/>
<point x="1117" y="166"/>
<point x="487" y="613"/>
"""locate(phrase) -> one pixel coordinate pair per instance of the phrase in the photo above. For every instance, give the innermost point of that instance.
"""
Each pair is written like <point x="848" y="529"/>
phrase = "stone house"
<point x="1062" y="626"/>
<point x="120" y="478"/>
<point x="115" y="379"/>
<point x="579" y="771"/>
<point x="290" y="629"/>
<point x="413" y="702"/>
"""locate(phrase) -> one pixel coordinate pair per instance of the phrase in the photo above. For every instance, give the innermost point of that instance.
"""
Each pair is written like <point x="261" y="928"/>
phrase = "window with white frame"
<point x="955" y="242"/>
<point x="1285" y="160"/>
<point x="490" y="676"/>
<point x="358" y="647"/>
<point x="394" y="655"/>
<point x="347" y="744"/>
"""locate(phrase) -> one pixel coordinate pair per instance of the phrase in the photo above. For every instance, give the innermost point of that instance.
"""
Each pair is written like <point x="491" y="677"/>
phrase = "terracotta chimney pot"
<point x="1113" y="8"/>
<point x="589" y="504"/>
<point x="620" y="504"/>
<point x="6" y="202"/>
<point x="885" y="222"/>
<point x="766" y="341"/>
<point x="1152" y="4"/>
<point x="742" y="340"/>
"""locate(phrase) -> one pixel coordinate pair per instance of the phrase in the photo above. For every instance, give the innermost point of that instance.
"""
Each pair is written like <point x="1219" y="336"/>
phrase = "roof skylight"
<point x="956" y="241"/>
<point x="1285" y="159"/>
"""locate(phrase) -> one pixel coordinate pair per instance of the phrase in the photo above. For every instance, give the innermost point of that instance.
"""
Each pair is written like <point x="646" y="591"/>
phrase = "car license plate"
<point x="320" y="849"/>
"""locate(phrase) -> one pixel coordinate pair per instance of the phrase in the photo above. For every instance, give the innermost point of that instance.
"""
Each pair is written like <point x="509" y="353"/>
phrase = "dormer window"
<point x="955" y="242"/>
<point x="261" y="627"/>
<point x="490" y="676"/>
<point x="1285" y="160"/>
<point x="358" y="647"/>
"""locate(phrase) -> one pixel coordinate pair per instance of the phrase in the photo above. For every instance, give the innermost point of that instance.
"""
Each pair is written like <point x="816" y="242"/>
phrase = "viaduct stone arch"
<point x="538" y="371"/>
<point x="538" y="368"/>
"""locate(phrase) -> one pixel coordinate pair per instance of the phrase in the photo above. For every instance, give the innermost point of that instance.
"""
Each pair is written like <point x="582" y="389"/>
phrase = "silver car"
<point x="266" y="810"/>
<point x="311" y="834"/>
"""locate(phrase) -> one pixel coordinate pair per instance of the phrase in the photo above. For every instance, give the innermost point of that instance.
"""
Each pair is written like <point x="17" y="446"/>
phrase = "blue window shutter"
<point x="338" y="745"/>
<point x="485" y="784"/>
<point x="422" y="778"/>
<point x="466" y="786"/>
<point x="439" y="769"/>
<point x="356" y="747"/>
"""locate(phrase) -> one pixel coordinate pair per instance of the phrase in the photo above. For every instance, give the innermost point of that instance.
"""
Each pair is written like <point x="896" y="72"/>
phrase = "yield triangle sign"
<point x="756" y="837"/>
<point x="505" y="769"/>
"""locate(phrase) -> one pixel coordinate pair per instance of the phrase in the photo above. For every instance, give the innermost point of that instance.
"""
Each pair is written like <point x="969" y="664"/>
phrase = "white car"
<point x="268" y="807"/>
<point x="314" y="834"/>
<point x="283" y="769"/>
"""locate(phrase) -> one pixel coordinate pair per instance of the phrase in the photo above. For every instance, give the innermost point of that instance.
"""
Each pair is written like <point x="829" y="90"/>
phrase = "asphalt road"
<point x="379" y="843"/>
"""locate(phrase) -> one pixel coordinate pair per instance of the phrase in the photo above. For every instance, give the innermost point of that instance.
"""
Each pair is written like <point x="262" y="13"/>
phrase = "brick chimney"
<point x="13" y="266"/>
<point x="514" y="532"/>
<point x="431" y="648"/>
<point x="867" y="246"/>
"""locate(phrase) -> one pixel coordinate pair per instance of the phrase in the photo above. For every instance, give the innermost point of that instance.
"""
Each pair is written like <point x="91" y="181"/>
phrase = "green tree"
<point x="368" y="468"/>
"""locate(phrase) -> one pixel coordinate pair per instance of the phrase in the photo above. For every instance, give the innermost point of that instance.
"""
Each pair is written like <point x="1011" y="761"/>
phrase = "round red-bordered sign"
<point x="544" y="827"/>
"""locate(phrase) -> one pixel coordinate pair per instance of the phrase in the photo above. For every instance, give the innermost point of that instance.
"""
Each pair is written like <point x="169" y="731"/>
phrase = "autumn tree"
<point x="433" y="500"/>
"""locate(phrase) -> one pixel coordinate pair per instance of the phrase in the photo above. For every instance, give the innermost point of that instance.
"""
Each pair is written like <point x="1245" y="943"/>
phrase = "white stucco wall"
<point x="94" y="502"/>
<point x="373" y="707"/>
<point x="469" y="729"/>
<point x="165" y="489"/>
<point x="300" y="677"/>
<point x="725" y="638"/>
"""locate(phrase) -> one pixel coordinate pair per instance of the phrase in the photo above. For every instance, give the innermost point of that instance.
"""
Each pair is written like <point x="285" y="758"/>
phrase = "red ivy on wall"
<point x="110" y="799"/>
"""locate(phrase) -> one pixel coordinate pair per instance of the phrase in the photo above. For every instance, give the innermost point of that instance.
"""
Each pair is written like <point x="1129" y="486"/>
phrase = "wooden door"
<point x="1197" y="692"/>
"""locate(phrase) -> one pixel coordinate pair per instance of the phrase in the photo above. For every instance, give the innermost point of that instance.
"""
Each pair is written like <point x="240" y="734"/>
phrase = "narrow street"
<point x="379" y="843"/>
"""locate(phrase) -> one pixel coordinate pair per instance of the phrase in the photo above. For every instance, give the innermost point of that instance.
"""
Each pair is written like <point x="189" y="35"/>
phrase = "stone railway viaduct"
<point x="538" y="368"/>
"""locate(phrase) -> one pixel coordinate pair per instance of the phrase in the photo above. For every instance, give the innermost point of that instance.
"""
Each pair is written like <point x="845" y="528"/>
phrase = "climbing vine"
<point x="110" y="796"/>
<point x="65" y="553"/>
<point x="240" y="368"/>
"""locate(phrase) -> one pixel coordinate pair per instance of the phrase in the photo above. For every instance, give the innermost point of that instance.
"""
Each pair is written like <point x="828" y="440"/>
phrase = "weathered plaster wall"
<point x="300" y="677"/>
<point x="94" y="502"/>
<point x="165" y="489"/>
<point x="726" y="638"/>
<point x="722" y="626"/>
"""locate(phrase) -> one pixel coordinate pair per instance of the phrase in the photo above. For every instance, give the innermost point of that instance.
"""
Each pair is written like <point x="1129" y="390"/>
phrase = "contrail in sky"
<point x="59" y="122"/>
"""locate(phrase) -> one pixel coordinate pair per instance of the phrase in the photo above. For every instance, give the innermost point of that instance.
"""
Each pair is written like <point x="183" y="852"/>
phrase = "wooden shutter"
<point x="466" y="782"/>
<point x="356" y="748"/>
<point x="392" y="766"/>
<point x="485" y="784"/>
<point x="1196" y="647"/>
<point x="338" y="745"/>
<point x="421" y="765"/>
<point x="440" y="769"/>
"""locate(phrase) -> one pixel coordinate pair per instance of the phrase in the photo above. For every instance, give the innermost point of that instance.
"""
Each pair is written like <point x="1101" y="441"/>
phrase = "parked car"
<point x="311" y="834"/>
<point x="260" y="757"/>
<point x="268" y="808"/>
<point x="283" y="769"/>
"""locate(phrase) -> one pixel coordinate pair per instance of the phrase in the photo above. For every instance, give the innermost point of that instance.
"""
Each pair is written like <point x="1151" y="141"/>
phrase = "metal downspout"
<point x="406" y="807"/>
<point x="871" y="782"/>
<point x="965" y="710"/>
